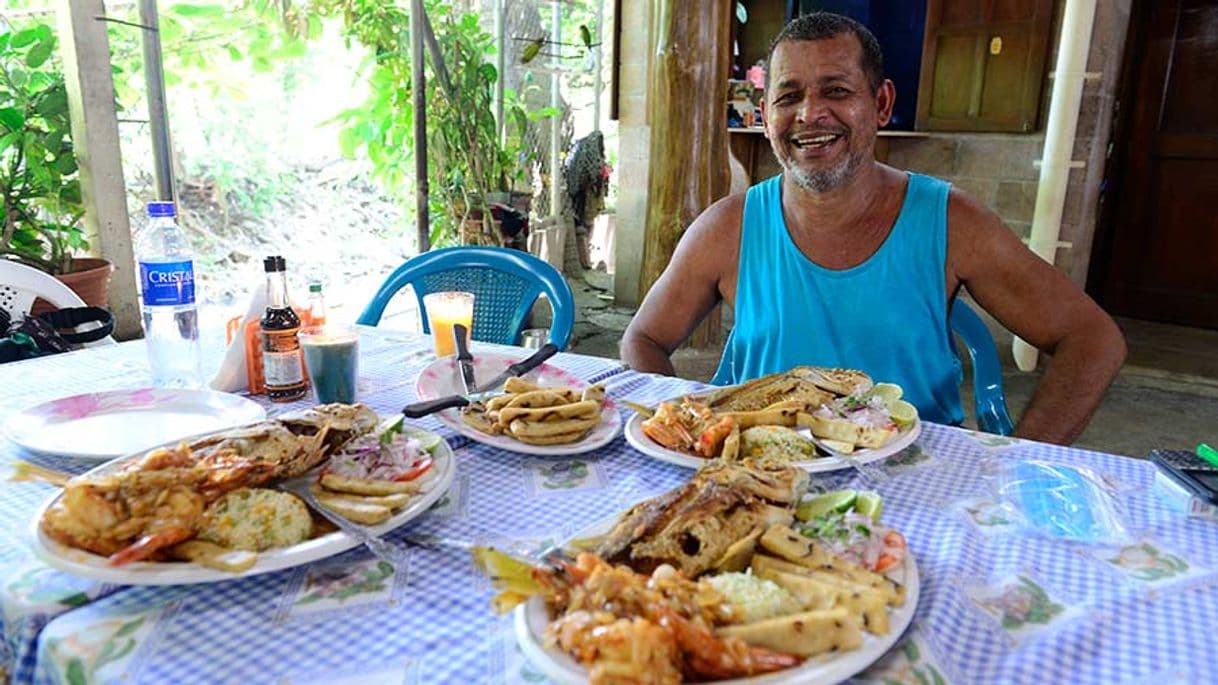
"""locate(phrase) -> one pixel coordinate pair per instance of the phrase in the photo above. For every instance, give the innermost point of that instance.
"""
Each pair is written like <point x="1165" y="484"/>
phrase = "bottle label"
<point x="282" y="368"/>
<point x="167" y="283"/>
<point x="281" y="360"/>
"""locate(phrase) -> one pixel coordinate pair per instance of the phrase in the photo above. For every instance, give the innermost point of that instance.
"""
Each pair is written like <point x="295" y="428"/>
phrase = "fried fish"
<point x="694" y="526"/>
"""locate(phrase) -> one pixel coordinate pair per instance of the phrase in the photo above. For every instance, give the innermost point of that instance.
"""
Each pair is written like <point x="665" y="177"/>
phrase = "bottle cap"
<point x="160" y="209"/>
<point x="315" y="287"/>
<point x="274" y="263"/>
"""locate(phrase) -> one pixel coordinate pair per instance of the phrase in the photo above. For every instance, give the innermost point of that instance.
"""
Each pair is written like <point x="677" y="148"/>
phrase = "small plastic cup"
<point x="444" y="310"/>
<point x="331" y="354"/>
<point x="534" y="338"/>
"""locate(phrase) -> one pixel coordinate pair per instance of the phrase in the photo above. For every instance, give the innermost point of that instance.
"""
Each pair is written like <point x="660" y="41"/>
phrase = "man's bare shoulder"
<point x="719" y="226"/>
<point x="721" y="220"/>
<point x="967" y="212"/>
<point x="974" y="229"/>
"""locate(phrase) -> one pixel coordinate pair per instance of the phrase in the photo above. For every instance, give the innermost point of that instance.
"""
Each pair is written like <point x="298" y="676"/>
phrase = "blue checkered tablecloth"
<point x="998" y="605"/>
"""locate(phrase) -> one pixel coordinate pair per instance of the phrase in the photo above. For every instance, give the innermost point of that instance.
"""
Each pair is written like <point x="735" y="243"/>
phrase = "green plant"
<point x="38" y="171"/>
<point x="466" y="160"/>
<point x="462" y="134"/>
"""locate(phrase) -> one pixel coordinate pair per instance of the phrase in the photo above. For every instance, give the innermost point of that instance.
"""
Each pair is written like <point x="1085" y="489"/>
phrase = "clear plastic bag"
<point x="1058" y="500"/>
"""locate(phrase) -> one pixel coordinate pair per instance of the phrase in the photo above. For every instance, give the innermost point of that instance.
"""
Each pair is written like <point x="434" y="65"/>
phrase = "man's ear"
<point x="885" y="99"/>
<point x="765" y="117"/>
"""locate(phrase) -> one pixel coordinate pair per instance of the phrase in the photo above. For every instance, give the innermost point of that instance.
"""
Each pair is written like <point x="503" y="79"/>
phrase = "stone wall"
<point x="997" y="169"/>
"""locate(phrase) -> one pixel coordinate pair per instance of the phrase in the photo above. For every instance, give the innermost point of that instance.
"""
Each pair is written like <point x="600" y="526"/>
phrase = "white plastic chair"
<point x="20" y="285"/>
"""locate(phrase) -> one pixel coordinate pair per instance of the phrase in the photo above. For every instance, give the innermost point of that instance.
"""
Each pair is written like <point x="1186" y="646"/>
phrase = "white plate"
<point x="532" y="617"/>
<point x="636" y="437"/>
<point x="105" y="425"/>
<point x="88" y="565"/>
<point x="441" y="378"/>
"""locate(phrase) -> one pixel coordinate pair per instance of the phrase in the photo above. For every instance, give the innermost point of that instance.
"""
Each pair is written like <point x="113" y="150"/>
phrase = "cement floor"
<point x="1165" y="396"/>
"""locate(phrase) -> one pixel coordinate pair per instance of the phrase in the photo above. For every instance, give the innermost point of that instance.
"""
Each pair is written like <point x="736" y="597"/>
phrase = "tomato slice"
<point x="885" y="562"/>
<point x="417" y="469"/>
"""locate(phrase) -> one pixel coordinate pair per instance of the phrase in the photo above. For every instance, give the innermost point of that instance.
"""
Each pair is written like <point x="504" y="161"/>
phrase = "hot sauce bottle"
<point x="282" y="365"/>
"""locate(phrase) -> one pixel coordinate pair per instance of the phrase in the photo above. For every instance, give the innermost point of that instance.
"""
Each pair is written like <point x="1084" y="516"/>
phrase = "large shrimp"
<point x="619" y="650"/>
<point x="710" y="657"/>
<point x="689" y="427"/>
<point x="132" y="513"/>
<point x="632" y="628"/>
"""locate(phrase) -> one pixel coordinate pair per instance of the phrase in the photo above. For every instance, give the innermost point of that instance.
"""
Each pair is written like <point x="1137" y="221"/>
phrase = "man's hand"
<point x="1040" y="304"/>
<point x="701" y="273"/>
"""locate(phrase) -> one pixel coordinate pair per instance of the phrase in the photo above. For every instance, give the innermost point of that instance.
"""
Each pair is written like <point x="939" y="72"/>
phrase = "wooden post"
<point x="86" y="65"/>
<point x="688" y="151"/>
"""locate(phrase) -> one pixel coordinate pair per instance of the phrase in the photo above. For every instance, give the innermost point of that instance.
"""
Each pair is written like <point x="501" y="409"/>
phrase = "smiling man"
<point x="844" y="261"/>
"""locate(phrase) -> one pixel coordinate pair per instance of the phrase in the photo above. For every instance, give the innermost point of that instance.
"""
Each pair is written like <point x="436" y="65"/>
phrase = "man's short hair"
<point x="824" y="25"/>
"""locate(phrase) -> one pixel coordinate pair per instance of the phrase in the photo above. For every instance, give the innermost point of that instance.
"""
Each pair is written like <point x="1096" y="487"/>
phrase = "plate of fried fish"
<point x="730" y="577"/>
<point x="209" y="509"/>
<point x="818" y="418"/>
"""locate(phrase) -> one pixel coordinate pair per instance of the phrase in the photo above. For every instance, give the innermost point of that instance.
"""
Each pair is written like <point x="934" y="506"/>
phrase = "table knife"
<point x="426" y="407"/>
<point x="465" y="360"/>
<point x="520" y="368"/>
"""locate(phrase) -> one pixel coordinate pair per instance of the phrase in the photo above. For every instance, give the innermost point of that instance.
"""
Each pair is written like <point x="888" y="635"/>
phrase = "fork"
<point x="519" y="550"/>
<point x="873" y="476"/>
<point x="381" y="549"/>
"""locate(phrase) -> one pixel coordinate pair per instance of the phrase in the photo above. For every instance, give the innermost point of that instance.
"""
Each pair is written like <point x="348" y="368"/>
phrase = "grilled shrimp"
<point x="710" y="657"/>
<point x="132" y="513"/>
<point x="689" y="427"/>
<point x="628" y="627"/>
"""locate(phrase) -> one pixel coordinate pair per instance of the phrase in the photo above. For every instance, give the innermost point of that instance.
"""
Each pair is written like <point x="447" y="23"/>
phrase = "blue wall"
<point x="899" y="25"/>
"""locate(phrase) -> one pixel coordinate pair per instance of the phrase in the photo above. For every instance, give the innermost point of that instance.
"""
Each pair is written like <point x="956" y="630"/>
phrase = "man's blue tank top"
<point x="886" y="316"/>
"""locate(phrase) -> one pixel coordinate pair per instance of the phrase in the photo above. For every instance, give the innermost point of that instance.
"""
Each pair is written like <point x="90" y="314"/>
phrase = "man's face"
<point x="821" y="115"/>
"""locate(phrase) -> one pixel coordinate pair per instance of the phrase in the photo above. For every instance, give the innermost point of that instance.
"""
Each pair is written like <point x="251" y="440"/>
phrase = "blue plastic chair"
<point x="505" y="284"/>
<point x="989" y="402"/>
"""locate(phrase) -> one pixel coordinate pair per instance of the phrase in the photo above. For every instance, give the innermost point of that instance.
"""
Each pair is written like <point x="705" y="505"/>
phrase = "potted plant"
<point x="39" y="182"/>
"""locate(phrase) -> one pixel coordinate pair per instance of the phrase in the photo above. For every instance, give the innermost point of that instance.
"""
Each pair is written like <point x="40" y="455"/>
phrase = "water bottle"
<point x="167" y="286"/>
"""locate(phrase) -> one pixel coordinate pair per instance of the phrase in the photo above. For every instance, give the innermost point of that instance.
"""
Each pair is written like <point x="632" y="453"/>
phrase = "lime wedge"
<point x="387" y="428"/>
<point x="837" y="502"/>
<point x="429" y="439"/>
<point x="889" y="392"/>
<point x="869" y="504"/>
<point x="903" y="413"/>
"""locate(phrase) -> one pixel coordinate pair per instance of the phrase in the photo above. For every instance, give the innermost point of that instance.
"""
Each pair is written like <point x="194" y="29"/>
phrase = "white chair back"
<point x="20" y="285"/>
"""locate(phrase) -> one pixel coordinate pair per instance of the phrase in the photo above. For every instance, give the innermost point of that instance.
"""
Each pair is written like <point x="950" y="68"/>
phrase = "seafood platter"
<point x="550" y="412"/>
<point x="217" y="506"/>
<point x="814" y="417"/>
<point x="739" y="576"/>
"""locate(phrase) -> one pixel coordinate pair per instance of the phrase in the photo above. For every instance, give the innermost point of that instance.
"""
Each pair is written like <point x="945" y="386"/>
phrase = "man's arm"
<point x="690" y="286"/>
<point x="1040" y="304"/>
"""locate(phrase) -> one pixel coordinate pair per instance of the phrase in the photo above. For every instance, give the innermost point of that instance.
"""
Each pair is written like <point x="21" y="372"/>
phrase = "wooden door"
<point x="1162" y="208"/>
<point x="983" y="64"/>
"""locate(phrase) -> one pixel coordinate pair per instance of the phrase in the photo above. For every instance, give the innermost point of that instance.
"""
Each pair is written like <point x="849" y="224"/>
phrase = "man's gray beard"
<point x="823" y="180"/>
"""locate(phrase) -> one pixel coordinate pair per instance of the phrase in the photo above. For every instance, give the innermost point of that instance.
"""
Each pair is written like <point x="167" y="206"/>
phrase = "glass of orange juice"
<point x="444" y="310"/>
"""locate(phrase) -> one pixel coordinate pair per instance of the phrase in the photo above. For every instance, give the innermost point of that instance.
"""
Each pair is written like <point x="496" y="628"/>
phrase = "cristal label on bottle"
<point x="167" y="283"/>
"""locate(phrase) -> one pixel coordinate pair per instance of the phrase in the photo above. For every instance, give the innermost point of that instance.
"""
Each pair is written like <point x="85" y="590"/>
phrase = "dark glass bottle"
<point x="282" y="364"/>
